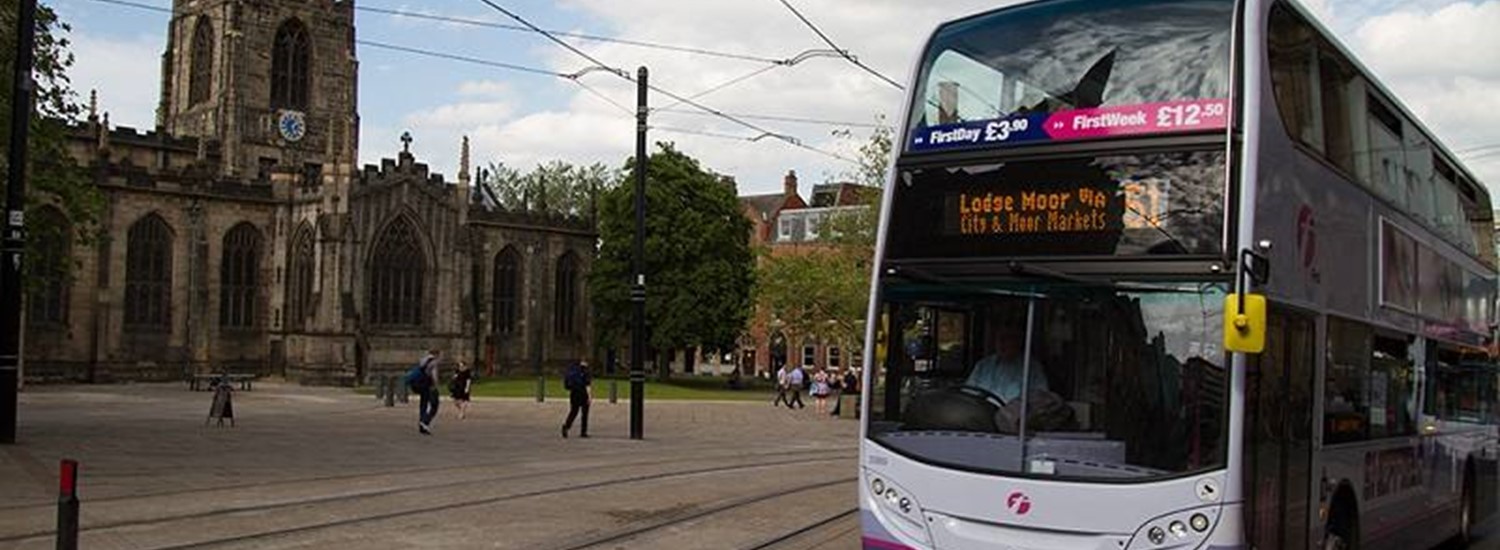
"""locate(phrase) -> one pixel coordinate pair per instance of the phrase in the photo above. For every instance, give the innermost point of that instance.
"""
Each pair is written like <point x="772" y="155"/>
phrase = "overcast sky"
<point x="1439" y="56"/>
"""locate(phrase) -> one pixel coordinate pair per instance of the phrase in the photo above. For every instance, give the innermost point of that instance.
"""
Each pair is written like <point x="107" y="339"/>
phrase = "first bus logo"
<point x="1019" y="503"/>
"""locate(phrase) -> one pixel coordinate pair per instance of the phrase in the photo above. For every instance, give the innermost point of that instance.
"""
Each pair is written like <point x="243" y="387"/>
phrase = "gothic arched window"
<point x="47" y="301"/>
<point x="300" y="278"/>
<point x="507" y="291"/>
<point x="566" y="301"/>
<point x="201" y="72"/>
<point x="397" y="269"/>
<point x="239" y="277"/>
<point x="290" y="64"/>
<point x="148" y="275"/>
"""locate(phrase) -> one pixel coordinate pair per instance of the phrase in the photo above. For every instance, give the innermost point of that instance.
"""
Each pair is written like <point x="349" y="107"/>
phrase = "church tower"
<point x="272" y="83"/>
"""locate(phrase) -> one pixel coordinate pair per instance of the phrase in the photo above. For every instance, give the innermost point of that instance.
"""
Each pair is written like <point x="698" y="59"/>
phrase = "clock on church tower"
<point x="291" y="125"/>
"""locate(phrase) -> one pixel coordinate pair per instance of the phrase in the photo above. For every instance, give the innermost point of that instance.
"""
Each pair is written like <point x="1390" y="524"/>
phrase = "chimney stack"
<point x="789" y="185"/>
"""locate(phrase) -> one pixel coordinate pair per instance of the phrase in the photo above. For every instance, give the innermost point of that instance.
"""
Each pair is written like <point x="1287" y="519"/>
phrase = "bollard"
<point x="379" y="383"/>
<point x="390" y="389"/>
<point x="67" y="506"/>
<point x="613" y="391"/>
<point x="402" y="389"/>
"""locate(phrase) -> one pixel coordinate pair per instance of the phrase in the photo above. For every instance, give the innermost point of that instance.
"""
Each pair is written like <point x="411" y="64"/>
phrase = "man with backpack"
<point x="422" y="379"/>
<point x="580" y="395"/>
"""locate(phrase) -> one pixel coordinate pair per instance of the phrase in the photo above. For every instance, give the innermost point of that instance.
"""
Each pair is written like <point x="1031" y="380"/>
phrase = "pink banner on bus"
<point x="1149" y="118"/>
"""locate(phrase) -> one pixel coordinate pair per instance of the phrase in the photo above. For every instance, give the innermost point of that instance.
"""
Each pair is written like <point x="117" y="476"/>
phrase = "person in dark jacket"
<point x="427" y="388"/>
<point x="459" y="389"/>
<point x="580" y="395"/>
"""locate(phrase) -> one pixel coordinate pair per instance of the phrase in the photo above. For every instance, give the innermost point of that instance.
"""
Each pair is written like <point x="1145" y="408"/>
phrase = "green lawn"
<point x="704" y="388"/>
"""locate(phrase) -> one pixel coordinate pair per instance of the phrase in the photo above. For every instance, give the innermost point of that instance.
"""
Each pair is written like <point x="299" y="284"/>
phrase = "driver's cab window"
<point x="1099" y="381"/>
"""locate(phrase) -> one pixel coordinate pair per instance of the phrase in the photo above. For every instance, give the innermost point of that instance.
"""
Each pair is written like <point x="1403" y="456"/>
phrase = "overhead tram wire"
<point x="722" y="85"/>
<point x="777" y="118"/>
<point x="700" y="133"/>
<point x="805" y="55"/>
<point x="1483" y="150"/>
<point x="622" y="74"/>
<point x="771" y="62"/>
<point x="843" y="52"/>
<point x="581" y="36"/>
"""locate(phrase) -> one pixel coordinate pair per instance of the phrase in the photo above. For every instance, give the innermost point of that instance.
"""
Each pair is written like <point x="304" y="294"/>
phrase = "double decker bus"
<point x="1173" y="274"/>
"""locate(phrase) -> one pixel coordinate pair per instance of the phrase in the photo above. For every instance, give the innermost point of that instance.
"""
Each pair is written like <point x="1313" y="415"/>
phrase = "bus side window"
<point x="1346" y="408"/>
<point x="1393" y="396"/>
<point x="1461" y="387"/>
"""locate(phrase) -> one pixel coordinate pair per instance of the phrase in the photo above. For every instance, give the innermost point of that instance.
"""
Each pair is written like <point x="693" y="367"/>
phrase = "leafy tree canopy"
<point x="54" y="178"/>
<point x="698" y="265"/>
<point x="556" y="188"/>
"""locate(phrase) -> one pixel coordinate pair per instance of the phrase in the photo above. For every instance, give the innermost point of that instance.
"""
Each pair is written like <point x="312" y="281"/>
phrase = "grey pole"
<point x="638" y="290"/>
<point x="536" y="359"/>
<point x="14" y="241"/>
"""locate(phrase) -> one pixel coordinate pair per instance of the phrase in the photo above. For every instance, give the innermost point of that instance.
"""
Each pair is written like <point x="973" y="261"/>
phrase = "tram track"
<point x="743" y="462"/>
<point x="631" y="532"/>
<point x="49" y="505"/>
<point x="785" y="539"/>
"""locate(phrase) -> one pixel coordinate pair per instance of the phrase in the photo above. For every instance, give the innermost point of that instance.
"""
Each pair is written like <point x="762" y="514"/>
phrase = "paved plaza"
<point x="314" y="467"/>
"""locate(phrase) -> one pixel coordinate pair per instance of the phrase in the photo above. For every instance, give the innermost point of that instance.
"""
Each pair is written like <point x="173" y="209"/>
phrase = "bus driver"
<point x="1000" y="371"/>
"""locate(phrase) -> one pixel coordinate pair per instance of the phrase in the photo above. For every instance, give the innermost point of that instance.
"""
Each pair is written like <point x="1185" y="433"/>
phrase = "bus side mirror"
<point x="1245" y="323"/>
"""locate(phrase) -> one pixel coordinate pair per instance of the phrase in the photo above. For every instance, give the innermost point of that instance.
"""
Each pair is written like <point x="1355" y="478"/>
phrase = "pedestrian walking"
<point x="580" y="395"/>
<point x="795" y="380"/>
<point x="783" y="381"/>
<point x="459" y="388"/>
<point x="819" y="391"/>
<point x="423" y="380"/>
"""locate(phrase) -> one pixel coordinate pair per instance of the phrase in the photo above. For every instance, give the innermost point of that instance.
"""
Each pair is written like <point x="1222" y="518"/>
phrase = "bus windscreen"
<point x="1071" y="70"/>
<point x="1110" y="205"/>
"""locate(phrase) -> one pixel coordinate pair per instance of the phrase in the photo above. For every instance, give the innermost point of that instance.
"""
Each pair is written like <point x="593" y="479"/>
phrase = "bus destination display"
<point x="979" y="212"/>
<point x="1077" y="125"/>
<point x="1119" y="204"/>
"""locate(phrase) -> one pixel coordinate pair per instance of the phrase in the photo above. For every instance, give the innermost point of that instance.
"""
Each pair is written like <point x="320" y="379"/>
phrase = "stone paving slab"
<point x="146" y="453"/>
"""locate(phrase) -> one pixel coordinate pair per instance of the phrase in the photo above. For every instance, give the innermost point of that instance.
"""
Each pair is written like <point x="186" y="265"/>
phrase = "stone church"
<point x="241" y="235"/>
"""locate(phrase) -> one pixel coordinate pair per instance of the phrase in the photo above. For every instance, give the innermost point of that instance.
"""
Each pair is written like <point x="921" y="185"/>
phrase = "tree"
<point x="54" y="178"/>
<point x="556" y="188"/>
<point x="698" y="265"/>
<point x="823" y="292"/>
<point x="874" y="158"/>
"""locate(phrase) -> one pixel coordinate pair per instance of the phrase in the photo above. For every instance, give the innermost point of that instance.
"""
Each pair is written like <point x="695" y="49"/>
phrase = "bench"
<point x="206" y="381"/>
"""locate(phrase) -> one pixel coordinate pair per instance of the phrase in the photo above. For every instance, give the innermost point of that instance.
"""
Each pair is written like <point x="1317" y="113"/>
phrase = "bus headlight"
<point x="1156" y="535"/>
<point x="1199" y="522"/>
<point x="897" y="508"/>
<point x="1179" y="530"/>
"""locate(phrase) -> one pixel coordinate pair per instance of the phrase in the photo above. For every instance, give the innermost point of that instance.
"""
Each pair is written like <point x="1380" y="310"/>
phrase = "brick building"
<point x="785" y="223"/>
<point x="240" y="233"/>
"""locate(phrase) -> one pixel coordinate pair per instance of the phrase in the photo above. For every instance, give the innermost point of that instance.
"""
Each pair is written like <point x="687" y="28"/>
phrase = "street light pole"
<point x="638" y="290"/>
<point x="14" y="240"/>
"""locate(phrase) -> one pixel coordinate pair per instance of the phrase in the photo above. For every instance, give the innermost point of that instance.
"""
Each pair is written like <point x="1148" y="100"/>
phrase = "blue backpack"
<point x="573" y="380"/>
<point x="417" y="378"/>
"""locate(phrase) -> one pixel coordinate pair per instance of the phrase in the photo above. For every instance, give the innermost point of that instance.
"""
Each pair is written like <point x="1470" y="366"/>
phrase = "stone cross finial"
<point x="406" y="142"/>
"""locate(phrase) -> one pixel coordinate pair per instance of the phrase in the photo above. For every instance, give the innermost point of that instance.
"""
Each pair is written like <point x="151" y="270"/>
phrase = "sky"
<point x="1438" y="56"/>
